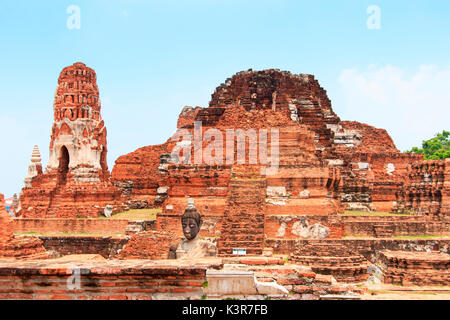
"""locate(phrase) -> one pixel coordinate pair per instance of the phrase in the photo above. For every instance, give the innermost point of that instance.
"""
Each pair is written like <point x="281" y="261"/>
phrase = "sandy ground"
<point x="390" y="292"/>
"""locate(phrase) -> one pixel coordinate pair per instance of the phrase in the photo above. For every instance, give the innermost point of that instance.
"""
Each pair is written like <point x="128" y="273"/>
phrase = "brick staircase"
<point x="328" y="258"/>
<point x="243" y="221"/>
<point x="54" y="206"/>
<point x="61" y="205"/>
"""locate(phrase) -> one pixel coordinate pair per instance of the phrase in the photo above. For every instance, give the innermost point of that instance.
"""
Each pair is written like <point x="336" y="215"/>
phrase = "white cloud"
<point x="411" y="107"/>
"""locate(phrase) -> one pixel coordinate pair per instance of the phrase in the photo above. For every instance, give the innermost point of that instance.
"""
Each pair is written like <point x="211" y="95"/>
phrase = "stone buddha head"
<point x="191" y="221"/>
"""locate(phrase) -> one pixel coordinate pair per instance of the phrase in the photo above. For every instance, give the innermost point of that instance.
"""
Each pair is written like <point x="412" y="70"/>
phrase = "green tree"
<point x="435" y="148"/>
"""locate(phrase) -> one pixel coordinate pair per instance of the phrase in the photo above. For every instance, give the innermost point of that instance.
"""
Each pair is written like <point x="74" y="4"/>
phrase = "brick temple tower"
<point x="78" y="141"/>
<point x="76" y="179"/>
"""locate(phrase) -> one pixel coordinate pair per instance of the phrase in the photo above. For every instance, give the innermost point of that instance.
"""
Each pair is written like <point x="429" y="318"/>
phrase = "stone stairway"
<point x="243" y="221"/>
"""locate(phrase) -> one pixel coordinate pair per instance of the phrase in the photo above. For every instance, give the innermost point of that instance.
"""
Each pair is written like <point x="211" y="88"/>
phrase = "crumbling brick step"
<point x="243" y="222"/>
<point x="332" y="259"/>
<point x="416" y="268"/>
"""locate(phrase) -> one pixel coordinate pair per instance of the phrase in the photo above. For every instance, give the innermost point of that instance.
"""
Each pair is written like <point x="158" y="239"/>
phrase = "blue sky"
<point x="154" y="57"/>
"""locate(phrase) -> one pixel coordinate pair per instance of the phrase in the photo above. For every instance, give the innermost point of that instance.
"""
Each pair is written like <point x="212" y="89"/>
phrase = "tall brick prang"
<point x="76" y="182"/>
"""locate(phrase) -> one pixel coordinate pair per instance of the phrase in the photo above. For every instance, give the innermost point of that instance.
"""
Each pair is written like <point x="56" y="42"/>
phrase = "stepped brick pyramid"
<point x="318" y="166"/>
<point x="325" y="165"/>
<point x="76" y="179"/>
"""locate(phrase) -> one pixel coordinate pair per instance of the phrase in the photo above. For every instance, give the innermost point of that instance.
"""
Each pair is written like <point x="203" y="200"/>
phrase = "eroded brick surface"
<point x="416" y="268"/>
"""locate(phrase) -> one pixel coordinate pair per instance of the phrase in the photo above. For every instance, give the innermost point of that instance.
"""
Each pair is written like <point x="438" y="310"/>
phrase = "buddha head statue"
<point x="191" y="221"/>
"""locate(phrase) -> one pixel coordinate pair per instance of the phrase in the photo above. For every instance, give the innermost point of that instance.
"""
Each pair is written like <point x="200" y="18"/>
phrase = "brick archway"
<point x="63" y="169"/>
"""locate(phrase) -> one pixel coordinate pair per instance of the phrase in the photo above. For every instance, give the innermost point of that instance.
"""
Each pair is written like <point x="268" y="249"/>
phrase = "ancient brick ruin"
<point x="282" y="213"/>
<point x="325" y="165"/>
<point x="76" y="180"/>
<point x="18" y="247"/>
<point x="426" y="191"/>
<point x="412" y="268"/>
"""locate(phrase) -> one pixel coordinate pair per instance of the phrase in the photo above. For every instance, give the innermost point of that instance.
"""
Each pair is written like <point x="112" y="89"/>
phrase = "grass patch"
<point x="356" y="236"/>
<point x="419" y="237"/>
<point x="26" y="233"/>
<point x="136" y="214"/>
<point x="372" y="214"/>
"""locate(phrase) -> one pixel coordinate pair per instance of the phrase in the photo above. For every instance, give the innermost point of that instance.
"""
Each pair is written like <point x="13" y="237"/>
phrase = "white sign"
<point x="239" y="251"/>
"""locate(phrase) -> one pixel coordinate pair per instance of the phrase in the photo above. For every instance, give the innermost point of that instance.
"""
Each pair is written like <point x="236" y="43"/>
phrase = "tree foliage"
<point x="435" y="148"/>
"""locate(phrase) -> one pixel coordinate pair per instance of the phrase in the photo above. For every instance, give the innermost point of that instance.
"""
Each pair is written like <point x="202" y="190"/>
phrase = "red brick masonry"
<point x="71" y="226"/>
<point x="102" y="280"/>
<point x="416" y="268"/>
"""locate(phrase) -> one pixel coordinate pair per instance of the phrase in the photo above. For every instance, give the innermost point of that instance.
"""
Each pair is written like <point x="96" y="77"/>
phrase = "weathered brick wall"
<point x="411" y="268"/>
<point x="445" y="204"/>
<point x="153" y="245"/>
<point x="373" y="169"/>
<point x="71" y="226"/>
<point x="2" y="204"/>
<point x="400" y="226"/>
<point x="282" y="226"/>
<point x="207" y="185"/>
<point x="66" y="245"/>
<point x="427" y="188"/>
<point x="17" y="246"/>
<point x="367" y="247"/>
<point x="138" y="171"/>
<point x="102" y="281"/>
<point x="6" y="233"/>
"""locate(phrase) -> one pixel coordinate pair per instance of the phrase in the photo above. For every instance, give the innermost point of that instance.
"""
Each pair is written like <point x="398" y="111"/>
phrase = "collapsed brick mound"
<point x="329" y="258"/>
<point x="137" y="174"/>
<point x="24" y="247"/>
<point x="416" y="268"/>
<point x="19" y="247"/>
<point x="152" y="245"/>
